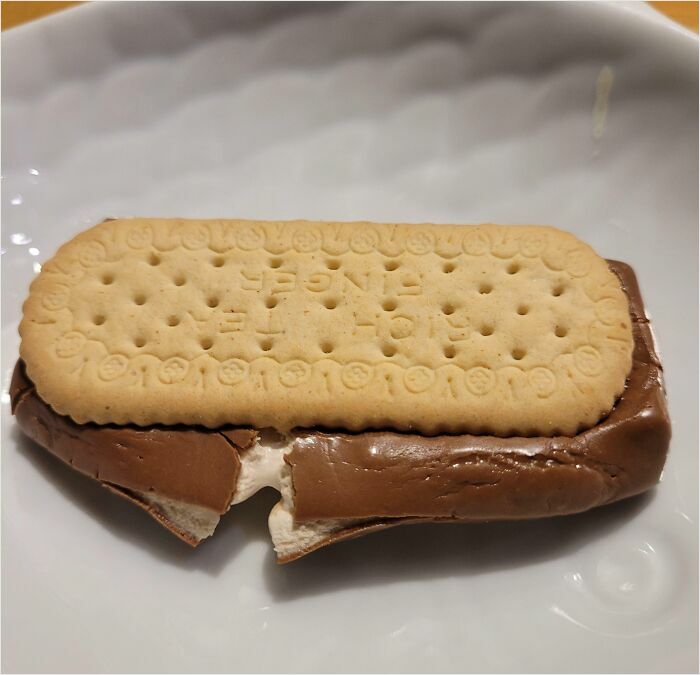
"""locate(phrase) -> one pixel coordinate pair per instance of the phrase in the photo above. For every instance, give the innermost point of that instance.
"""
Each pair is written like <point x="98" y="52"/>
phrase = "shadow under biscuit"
<point x="437" y="550"/>
<point x="246" y="523"/>
<point x="416" y="552"/>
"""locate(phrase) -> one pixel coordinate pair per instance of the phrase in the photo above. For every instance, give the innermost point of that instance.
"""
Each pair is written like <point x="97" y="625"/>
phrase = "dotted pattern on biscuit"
<point x="505" y="330"/>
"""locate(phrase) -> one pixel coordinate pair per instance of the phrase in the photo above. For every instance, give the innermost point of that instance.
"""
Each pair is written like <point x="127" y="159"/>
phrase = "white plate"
<point x="583" y="116"/>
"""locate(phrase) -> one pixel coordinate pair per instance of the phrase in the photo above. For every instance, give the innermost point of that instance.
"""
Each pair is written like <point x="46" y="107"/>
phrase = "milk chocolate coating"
<point x="390" y="475"/>
<point x="197" y="466"/>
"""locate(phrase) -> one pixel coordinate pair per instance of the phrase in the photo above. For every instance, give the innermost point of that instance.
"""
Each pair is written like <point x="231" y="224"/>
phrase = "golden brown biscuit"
<point x="433" y="328"/>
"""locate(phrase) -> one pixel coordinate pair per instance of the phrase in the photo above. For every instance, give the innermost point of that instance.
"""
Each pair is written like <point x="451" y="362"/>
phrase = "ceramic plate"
<point x="582" y="116"/>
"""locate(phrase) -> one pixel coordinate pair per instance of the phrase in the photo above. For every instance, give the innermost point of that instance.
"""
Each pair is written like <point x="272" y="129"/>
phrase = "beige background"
<point x="16" y="13"/>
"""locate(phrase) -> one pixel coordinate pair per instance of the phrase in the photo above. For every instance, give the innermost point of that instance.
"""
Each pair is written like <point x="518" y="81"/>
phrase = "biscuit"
<point x="502" y="330"/>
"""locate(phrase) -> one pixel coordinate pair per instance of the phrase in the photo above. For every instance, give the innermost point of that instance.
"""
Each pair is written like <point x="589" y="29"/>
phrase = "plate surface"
<point x="582" y="116"/>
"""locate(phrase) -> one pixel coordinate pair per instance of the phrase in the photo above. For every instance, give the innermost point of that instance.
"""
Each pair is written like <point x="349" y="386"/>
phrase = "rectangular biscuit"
<point x="504" y="330"/>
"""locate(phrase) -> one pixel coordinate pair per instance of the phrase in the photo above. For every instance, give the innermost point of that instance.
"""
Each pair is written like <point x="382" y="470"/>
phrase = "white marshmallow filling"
<point x="263" y="465"/>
